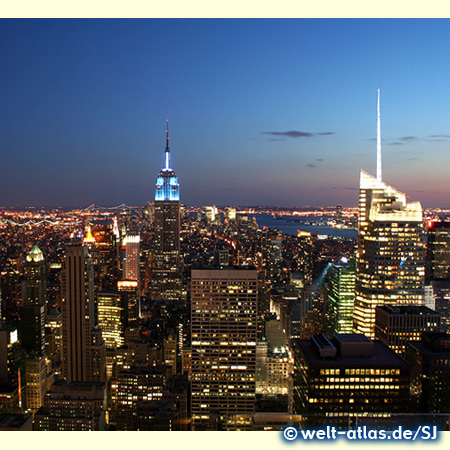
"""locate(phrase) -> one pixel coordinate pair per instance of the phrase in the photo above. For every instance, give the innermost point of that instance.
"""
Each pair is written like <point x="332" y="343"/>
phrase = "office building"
<point x="15" y="422"/>
<point x="396" y="325"/>
<point x="390" y="260"/>
<point x="230" y="213"/>
<point x="32" y="329"/>
<point x="132" y="259"/>
<point x="129" y="291"/>
<point x="11" y="355"/>
<point x="53" y="339"/>
<point x="441" y="299"/>
<point x="72" y="407"/>
<point x="221" y="257"/>
<point x="111" y="318"/>
<point x="347" y="376"/>
<point x="341" y="296"/>
<point x="33" y="311"/>
<point x="390" y="267"/>
<point x="430" y="362"/>
<point x="438" y="251"/>
<point x="166" y="276"/>
<point x="224" y="325"/>
<point x="83" y="346"/>
<point x="35" y="287"/>
<point x="273" y="369"/>
<point x="36" y="382"/>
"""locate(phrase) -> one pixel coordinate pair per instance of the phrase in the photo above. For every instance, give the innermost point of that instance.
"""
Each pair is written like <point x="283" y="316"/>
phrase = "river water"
<point x="282" y="224"/>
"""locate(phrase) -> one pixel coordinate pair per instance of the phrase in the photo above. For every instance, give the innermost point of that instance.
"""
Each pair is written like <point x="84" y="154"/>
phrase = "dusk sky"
<point x="262" y="112"/>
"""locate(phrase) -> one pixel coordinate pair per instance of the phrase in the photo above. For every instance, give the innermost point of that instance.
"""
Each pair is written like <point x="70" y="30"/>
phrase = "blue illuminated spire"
<point x="167" y="187"/>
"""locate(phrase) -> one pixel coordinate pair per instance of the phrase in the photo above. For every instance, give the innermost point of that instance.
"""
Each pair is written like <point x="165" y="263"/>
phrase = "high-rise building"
<point x="170" y="353"/>
<point x="83" y="347"/>
<point x="166" y="276"/>
<point x="390" y="266"/>
<point x="35" y="278"/>
<point x="224" y="326"/>
<point x="438" y="251"/>
<point x="441" y="301"/>
<point x="72" y="407"/>
<point x="33" y="311"/>
<point x="274" y="259"/>
<point x="305" y="256"/>
<point x="111" y="318"/>
<point x="131" y="264"/>
<point x="32" y="329"/>
<point x="129" y="290"/>
<point x="211" y="213"/>
<point x="346" y="376"/>
<point x="430" y="362"/>
<point x="341" y="296"/>
<point x="396" y="325"/>
<point x="36" y="382"/>
<point x="10" y="354"/>
<point x="273" y="369"/>
<point x="53" y="339"/>
<point x="221" y="257"/>
<point x="230" y="213"/>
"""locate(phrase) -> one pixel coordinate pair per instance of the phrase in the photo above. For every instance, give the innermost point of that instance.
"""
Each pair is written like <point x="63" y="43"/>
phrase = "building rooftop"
<point x="407" y="309"/>
<point x="12" y="421"/>
<point x="353" y="338"/>
<point x="380" y="354"/>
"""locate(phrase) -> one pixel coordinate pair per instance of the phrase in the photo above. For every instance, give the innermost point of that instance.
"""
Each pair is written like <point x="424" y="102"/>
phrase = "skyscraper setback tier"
<point x="224" y="327"/>
<point x="166" y="277"/>
<point x="390" y="266"/>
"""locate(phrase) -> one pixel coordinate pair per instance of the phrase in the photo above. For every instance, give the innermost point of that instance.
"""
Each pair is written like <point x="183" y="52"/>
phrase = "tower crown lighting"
<point x="167" y="187"/>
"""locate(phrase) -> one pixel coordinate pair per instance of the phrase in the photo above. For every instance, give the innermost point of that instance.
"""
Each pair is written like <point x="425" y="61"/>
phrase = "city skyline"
<point x="262" y="112"/>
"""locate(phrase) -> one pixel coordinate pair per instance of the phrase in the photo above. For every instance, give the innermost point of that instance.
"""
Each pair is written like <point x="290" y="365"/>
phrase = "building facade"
<point x="390" y="266"/>
<point x="396" y="325"/>
<point x="341" y="296"/>
<point x="347" y="376"/>
<point x="83" y="347"/>
<point x="224" y="325"/>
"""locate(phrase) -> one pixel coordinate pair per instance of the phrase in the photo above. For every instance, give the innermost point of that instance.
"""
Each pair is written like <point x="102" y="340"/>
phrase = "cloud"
<point x="440" y="136"/>
<point x="311" y="165"/>
<point x="319" y="159"/>
<point x="351" y="188"/>
<point x="276" y="140"/>
<point x="408" y="138"/>
<point x="297" y="134"/>
<point x="414" y="158"/>
<point x="395" y="143"/>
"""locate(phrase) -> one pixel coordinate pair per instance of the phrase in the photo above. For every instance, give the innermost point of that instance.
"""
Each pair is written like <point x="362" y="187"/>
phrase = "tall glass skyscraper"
<point x="341" y="296"/>
<point x="390" y="267"/>
<point x="166" y="277"/>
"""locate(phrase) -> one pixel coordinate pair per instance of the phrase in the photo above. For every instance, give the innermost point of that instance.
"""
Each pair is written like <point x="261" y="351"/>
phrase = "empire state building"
<point x="166" y="277"/>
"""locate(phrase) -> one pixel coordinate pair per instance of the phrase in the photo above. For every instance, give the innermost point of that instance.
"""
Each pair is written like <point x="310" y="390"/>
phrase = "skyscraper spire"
<point x="167" y="187"/>
<point x="167" y="147"/>
<point x="379" y="174"/>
